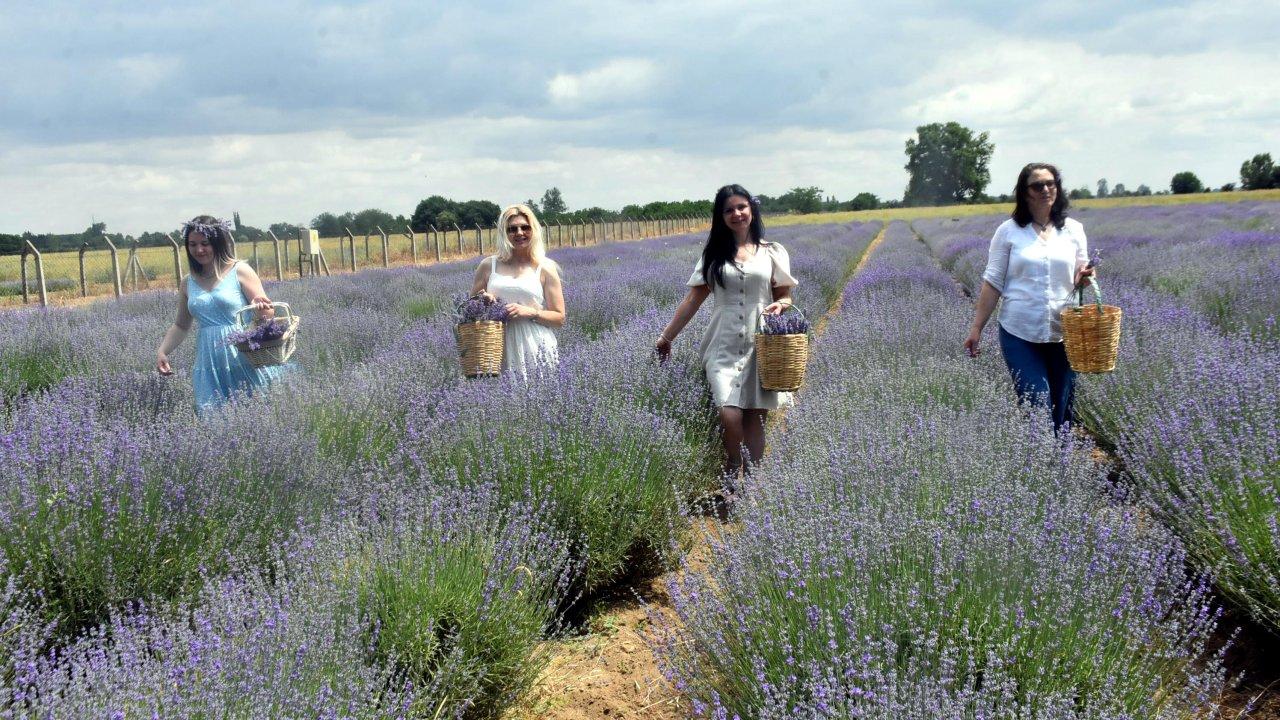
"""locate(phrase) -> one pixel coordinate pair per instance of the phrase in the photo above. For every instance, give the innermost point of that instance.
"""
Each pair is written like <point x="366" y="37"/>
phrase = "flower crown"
<point x="206" y="229"/>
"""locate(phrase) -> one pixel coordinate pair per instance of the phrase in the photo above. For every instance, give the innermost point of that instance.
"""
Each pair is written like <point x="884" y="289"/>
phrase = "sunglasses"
<point x="1042" y="185"/>
<point x="513" y="229"/>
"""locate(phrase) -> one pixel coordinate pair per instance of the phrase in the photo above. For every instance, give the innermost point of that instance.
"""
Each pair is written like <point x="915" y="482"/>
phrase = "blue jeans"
<point x="1041" y="375"/>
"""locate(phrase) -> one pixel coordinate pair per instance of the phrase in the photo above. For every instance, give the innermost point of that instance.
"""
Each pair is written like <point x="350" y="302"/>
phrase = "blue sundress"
<point x="220" y="370"/>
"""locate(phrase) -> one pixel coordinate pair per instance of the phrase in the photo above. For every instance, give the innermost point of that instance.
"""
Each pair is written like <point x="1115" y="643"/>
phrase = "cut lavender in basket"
<point x="468" y="309"/>
<point x="785" y="324"/>
<point x="258" y="334"/>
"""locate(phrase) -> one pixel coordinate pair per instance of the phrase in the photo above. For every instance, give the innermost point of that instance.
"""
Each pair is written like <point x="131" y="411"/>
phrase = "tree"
<point x="1185" y="182"/>
<point x="947" y="163"/>
<point x="428" y="213"/>
<point x="1142" y="191"/>
<point x="803" y="200"/>
<point x="1227" y="187"/>
<point x="1080" y="193"/>
<point x="1103" y="188"/>
<point x="478" y="212"/>
<point x="864" y="201"/>
<point x="368" y="221"/>
<point x="285" y="230"/>
<point x="1119" y="190"/>
<point x="553" y="203"/>
<point x="1258" y="173"/>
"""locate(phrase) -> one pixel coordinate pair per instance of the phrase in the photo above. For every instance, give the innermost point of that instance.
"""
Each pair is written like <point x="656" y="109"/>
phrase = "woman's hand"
<point x="486" y="296"/>
<point x="662" y="347"/>
<point x="516" y="310"/>
<point x="262" y="305"/>
<point x="162" y="364"/>
<point x="776" y="308"/>
<point x="1083" y="274"/>
<point x="971" y="343"/>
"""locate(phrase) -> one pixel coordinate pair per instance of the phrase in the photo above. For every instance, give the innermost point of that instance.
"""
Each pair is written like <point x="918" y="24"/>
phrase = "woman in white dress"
<point x="746" y="277"/>
<point x="528" y="282"/>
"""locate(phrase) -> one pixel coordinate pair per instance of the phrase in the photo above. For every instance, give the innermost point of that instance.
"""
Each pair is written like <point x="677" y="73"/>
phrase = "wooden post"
<point x="460" y="250"/>
<point x="177" y="264"/>
<point x="115" y="265"/>
<point x="573" y="241"/>
<point x="275" y="246"/>
<point x="386" y="260"/>
<point x="413" y="244"/>
<point x="29" y="249"/>
<point x="84" y="286"/>
<point x="352" y="238"/>
<point x="132" y="263"/>
<point x="479" y="240"/>
<point x="435" y="234"/>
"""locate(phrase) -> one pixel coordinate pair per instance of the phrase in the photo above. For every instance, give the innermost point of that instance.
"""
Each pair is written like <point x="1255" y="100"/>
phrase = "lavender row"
<point x="115" y="495"/>
<point x="1192" y="410"/>
<point x="917" y="547"/>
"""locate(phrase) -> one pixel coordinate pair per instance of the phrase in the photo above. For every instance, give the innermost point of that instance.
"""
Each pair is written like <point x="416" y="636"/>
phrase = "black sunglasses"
<point x="512" y="229"/>
<point x="1041" y="185"/>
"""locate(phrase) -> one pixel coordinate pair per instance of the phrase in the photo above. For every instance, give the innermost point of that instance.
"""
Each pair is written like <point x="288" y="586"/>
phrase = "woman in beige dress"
<point x="746" y="277"/>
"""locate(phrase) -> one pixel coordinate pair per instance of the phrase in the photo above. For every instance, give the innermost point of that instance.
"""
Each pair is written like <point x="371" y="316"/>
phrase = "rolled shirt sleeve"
<point x="998" y="258"/>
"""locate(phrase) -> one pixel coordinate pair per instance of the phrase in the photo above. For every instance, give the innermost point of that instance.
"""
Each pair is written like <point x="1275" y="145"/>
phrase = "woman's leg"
<point x="753" y="435"/>
<point x="731" y="434"/>
<point x="1027" y="366"/>
<point x="1062" y="383"/>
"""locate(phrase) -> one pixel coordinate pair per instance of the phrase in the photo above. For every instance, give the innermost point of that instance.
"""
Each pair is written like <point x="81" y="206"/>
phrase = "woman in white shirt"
<point x="1035" y="261"/>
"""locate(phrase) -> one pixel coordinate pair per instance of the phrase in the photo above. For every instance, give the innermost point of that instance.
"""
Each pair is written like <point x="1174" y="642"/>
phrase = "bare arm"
<point x="986" y="304"/>
<point x="553" y="314"/>
<point x="684" y="313"/>
<point x="253" y="292"/>
<point x="175" y="335"/>
<point x="480" y="285"/>
<point x="781" y="300"/>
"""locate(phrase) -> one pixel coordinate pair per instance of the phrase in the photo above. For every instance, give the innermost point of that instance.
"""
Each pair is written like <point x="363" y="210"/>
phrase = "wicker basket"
<point x="271" y="352"/>
<point x="480" y="347"/>
<point x="1091" y="333"/>
<point x="781" y="360"/>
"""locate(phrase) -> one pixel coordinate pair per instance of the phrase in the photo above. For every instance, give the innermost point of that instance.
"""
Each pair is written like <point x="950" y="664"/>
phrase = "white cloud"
<point x="621" y="79"/>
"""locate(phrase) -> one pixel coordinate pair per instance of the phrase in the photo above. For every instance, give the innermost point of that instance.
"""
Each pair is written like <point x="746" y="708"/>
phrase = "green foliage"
<point x="948" y="163"/>
<point x="864" y="201"/>
<point x="1259" y="173"/>
<point x="33" y="368"/>
<point x="1185" y="182"/>
<point x="1080" y="193"/>
<point x="452" y="619"/>
<point x="553" y="204"/>
<point x="443" y="212"/>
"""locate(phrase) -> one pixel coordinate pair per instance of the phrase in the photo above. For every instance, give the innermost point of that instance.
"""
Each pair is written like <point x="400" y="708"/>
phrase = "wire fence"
<point x="117" y="267"/>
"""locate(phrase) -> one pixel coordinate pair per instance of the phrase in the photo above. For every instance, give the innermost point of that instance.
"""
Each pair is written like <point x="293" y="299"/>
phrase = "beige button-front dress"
<point x="728" y="347"/>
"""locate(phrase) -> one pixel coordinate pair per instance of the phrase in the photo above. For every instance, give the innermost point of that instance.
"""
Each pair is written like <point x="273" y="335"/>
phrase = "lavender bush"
<point x="918" y="547"/>
<point x="1191" y="410"/>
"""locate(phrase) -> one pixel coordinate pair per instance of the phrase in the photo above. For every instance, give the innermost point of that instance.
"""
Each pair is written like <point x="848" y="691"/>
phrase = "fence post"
<point x="479" y="240"/>
<point x="132" y="272"/>
<point x="460" y="250"/>
<point x="573" y="240"/>
<point x="386" y="261"/>
<point x="413" y="244"/>
<point x="352" y="238"/>
<point x="275" y="246"/>
<point x="84" y="286"/>
<point x="435" y="234"/>
<point x="29" y="249"/>
<point x="115" y="265"/>
<point x="177" y="263"/>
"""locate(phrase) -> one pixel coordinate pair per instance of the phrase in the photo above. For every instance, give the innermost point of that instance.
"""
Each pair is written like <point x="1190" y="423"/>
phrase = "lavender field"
<point x="379" y="538"/>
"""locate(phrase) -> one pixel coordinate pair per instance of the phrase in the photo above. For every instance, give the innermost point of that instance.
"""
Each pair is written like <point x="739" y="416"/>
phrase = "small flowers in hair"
<point x="755" y="202"/>
<point x="206" y="229"/>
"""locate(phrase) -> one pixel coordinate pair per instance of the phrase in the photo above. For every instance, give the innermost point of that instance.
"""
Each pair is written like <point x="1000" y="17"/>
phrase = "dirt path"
<point x="610" y="670"/>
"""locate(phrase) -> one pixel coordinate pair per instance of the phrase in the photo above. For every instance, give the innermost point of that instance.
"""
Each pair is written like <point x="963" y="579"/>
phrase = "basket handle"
<point x="761" y="314"/>
<point x="288" y="314"/>
<point x="1097" y="293"/>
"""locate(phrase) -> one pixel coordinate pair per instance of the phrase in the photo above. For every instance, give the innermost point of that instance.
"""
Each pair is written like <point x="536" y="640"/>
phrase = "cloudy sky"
<point x="143" y="113"/>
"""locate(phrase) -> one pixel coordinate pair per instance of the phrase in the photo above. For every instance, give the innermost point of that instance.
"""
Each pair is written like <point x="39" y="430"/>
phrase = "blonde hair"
<point x="537" y="248"/>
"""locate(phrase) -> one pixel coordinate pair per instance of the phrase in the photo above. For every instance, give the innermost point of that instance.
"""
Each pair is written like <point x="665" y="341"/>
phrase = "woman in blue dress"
<point x="217" y="287"/>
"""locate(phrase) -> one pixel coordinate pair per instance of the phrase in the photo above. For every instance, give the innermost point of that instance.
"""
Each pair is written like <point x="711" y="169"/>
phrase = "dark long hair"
<point x="722" y="246"/>
<point x="224" y="246"/>
<point x="1022" y="209"/>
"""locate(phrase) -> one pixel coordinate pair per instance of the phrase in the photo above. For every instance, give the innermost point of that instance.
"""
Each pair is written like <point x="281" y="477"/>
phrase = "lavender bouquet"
<point x="259" y="334"/>
<point x="785" y="324"/>
<point x="476" y="308"/>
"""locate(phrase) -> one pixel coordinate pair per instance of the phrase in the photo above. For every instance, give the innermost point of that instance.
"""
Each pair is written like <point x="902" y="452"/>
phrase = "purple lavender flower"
<point x="787" y="323"/>
<point x="475" y="308"/>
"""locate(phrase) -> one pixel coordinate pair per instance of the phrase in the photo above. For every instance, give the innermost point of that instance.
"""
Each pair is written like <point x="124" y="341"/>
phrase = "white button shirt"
<point x="1035" y="277"/>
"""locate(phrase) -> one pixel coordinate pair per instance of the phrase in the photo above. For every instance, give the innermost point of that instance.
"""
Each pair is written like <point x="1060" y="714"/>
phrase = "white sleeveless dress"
<point x="525" y="342"/>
